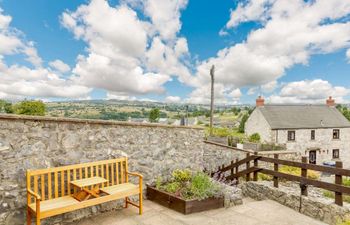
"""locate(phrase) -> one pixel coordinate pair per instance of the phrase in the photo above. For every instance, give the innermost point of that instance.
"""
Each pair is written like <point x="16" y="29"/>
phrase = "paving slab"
<point x="252" y="212"/>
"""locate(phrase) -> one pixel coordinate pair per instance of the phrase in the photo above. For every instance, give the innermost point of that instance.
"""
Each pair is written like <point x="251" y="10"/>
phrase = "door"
<point x="312" y="157"/>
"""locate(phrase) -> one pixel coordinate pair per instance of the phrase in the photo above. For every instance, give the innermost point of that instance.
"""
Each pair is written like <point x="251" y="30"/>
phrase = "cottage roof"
<point x="303" y="116"/>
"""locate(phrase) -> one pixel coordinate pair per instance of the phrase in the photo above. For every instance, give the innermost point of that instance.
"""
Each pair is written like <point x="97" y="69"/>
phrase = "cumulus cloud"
<point x="59" y="66"/>
<point x="119" y="58"/>
<point x="18" y="82"/>
<point x="291" y="32"/>
<point x="309" y="91"/>
<point x="222" y="94"/>
<point x="173" y="99"/>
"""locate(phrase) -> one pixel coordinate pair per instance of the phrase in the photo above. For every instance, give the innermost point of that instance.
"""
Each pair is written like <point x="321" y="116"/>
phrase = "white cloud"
<point x="18" y="82"/>
<point x="119" y="58"/>
<point x="291" y="32"/>
<point x="348" y="55"/>
<point x="165" y="15"/>
<point x="173" y="99"/>
<point x="120" y="96"/>
<point x="269" y="87"/>
<point x="59" y="66"/>
<point x="222" y="95"/>
<point x="249" y="11"/>
<point x="309" y="91"/>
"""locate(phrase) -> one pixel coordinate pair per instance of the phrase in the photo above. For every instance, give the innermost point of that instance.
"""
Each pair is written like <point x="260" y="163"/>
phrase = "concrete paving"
<point x="252" y="212"/>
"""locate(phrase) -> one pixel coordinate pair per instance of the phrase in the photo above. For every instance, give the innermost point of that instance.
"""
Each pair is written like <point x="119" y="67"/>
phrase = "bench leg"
<point x="140" y="202"/>
<point x="126" y="202"/>
<point x="29" y="217"/>
<point x="37" y="221"/>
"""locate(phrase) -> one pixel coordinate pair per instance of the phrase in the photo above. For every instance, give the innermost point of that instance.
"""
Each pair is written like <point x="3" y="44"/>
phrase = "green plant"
<point x="254" y="138"/>
<point x="202" y="187"/>
<point x="154" y="115"/>
<point x="346" y="222"/>
<point x="172" y="187"/>
<point x="297" y="172"/>
<point x="241" y="127"/>
<point x="262" y="176"/>
<point x="346" y="181"/>
<point x="34" y="108"/>
<point x="159" y="182"/>
<point x="182" y="175"/>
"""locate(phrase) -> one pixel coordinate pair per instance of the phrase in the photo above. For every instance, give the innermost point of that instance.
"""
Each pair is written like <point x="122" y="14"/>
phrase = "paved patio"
<point x="250" y="213"/>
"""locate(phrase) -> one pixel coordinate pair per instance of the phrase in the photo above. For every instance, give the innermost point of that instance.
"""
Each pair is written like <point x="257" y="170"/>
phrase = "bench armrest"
<point x="35" y="195"/>
<point x="135" y="174"/>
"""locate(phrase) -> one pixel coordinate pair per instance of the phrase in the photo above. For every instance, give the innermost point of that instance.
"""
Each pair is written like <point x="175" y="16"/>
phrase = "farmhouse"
<point x="320" y="132"/>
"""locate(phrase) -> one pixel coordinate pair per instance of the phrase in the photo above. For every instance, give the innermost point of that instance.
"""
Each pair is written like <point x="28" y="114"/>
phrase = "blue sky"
<point x="163" y="50"/>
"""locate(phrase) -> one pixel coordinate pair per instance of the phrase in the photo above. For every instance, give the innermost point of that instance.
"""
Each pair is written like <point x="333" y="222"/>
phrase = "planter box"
<point x="183" y="206"/>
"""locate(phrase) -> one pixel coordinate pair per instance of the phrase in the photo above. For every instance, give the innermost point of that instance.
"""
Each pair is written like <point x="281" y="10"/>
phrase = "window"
<point x="291" y="135"/>
<point x="312" y="134"/>
<point x="336" y="134"/>
<point x="335" y="153"/>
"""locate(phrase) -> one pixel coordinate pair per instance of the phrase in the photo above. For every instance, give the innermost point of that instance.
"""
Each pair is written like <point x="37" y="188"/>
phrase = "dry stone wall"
<point x="41" y="142"/>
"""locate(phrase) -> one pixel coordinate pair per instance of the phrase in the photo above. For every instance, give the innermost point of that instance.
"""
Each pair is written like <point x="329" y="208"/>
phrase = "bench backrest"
<point x="55" y="182"/>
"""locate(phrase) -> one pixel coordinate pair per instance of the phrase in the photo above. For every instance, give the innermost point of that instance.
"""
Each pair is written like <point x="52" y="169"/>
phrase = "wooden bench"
<point x="54" y="191"/>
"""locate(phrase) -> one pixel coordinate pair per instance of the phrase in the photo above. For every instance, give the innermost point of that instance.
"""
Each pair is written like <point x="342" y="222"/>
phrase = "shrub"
<point x="254" y="138"/>
<point x="262" y="176"/>
<point x="172" y="187"/>
<point x="34" y="108"/>
<point x="297" y="172"/>
<point x="189" y="185"/>
<point x="182" y="175"/>
<point x="241" y="127"/>
<point x="346" y="222"/>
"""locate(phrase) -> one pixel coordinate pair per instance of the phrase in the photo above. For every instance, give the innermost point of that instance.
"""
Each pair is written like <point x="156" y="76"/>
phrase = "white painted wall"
<point x="257" y="123"/>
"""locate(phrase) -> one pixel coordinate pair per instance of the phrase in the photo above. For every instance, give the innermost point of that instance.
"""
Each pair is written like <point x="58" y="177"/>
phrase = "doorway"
<point x="312" y="157"/>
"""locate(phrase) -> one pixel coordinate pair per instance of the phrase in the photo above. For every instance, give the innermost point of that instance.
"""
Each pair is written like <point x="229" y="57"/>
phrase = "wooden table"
<point x="84" y="192"/>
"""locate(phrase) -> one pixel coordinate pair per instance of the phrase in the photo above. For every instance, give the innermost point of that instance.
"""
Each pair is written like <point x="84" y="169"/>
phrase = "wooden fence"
<point x="251" y="163"/>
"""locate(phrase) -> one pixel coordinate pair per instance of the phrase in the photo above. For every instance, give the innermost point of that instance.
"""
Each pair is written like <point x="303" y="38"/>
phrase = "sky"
<point x="162" y="50"/>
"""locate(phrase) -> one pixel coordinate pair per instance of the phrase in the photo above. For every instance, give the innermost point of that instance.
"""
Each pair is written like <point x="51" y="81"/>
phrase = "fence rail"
<point x="337" y="187"/>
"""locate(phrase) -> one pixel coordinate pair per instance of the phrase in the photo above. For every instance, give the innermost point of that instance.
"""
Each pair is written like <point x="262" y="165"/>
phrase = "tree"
<point x="154" y="115"/>
<point x="33" y="108"/>
<point x="242" y="124"/>
<point x="5" y="107"/>
<point x="212" y="71"/>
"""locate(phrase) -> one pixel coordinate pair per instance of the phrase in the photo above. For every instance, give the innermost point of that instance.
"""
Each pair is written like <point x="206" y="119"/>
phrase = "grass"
<point x="346" y="198"/>
<point x="311" y="174"/>
<point x="225" y="132"/>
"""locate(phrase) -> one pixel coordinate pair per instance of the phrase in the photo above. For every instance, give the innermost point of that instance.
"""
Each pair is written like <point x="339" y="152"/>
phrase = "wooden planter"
<point x="183" y="206"/>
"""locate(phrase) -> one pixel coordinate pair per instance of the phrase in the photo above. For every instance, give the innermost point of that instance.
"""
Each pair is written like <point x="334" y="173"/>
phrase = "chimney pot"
<point x="260" y="101"/>
<point x="330" y="101"/>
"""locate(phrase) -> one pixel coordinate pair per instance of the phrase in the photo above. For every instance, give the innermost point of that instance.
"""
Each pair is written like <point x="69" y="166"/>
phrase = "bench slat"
<point x="42" y="179"/>
<point x="56" y="184"/>
<point x="49" y="190"/>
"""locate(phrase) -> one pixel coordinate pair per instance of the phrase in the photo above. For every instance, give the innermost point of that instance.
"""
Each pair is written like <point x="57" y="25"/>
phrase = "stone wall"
<point x="41" y="142"/>
<point x="313" y="205"/>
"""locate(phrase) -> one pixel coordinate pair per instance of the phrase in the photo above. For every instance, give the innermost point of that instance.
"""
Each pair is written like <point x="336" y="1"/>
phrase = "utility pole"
<point x="212" y="71"/>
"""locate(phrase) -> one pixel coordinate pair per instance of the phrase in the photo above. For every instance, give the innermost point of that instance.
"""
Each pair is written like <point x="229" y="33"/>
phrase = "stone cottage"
<point x="320" y="132"/>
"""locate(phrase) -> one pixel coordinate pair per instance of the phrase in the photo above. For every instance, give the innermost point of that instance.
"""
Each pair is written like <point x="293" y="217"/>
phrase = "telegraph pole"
<point x="212" y="71"/>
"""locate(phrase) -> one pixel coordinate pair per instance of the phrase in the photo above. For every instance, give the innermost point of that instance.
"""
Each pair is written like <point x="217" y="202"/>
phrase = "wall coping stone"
<point x="90" y="121"/>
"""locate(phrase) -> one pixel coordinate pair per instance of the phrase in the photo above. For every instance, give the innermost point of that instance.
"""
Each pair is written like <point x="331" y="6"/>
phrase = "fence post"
<point x="247" y="178"/>
<point x="255" y="174"/>
<point x="236" y="170"/>
<point x="339" y="181"/>
<point x="231" y="168"/>
<point x="275" y="168"/>
<point x="304" y="174"/>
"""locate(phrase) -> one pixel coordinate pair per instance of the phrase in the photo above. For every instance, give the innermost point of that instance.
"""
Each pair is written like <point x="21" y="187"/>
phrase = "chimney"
<point x="260" y="101"/>
<point x="330" y="101"/>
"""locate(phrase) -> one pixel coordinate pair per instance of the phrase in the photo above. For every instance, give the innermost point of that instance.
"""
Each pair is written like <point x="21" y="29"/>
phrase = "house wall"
<point x="257" y="123"/>
<point x="41" y="142"/>
<point x="323" y="140"/>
